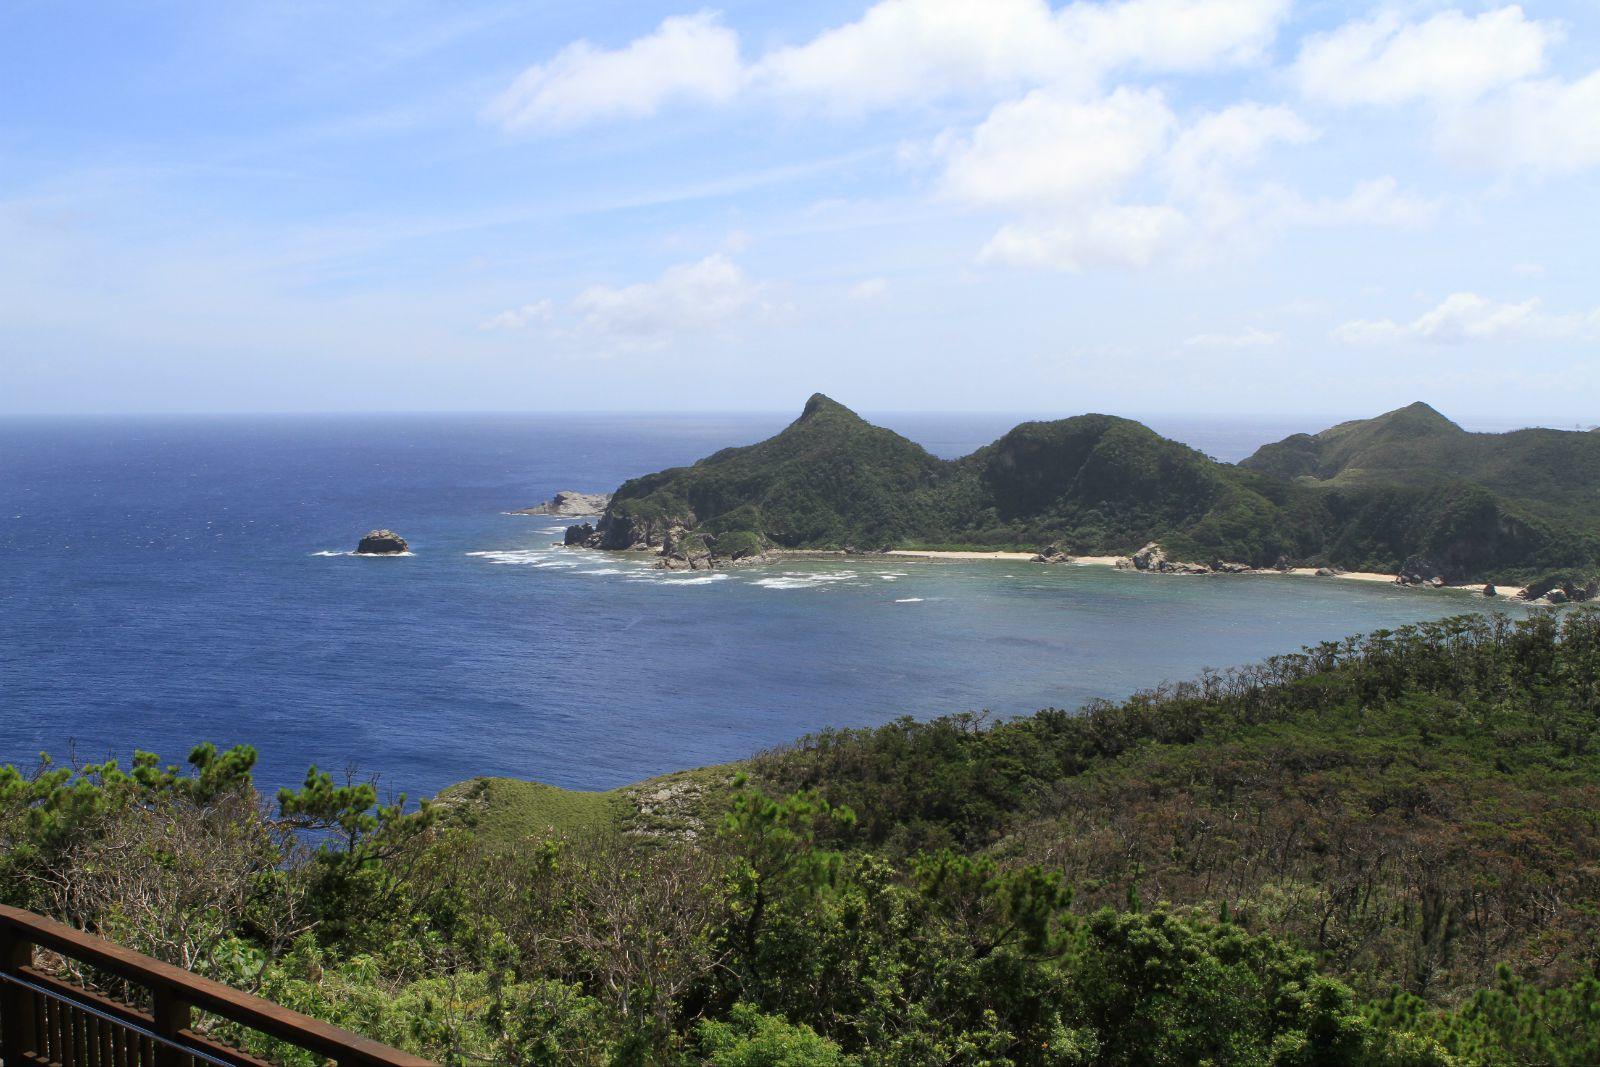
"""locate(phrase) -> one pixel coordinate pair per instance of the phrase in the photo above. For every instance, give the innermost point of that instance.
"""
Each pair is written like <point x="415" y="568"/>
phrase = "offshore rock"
<point x="1052" y="554"/>
<point x="1490" y="590"/>
<point x="579" y="536"/>
<point x="381" y="543"/>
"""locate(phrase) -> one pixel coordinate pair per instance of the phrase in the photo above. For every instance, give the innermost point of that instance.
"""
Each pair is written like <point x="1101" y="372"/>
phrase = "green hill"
<point x="1553" y="472"/>
<point x="831" y="478"/>
<point x="1369" y="494"/>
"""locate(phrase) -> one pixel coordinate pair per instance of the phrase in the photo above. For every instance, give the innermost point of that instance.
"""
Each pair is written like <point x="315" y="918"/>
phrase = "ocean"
<point x="166" y="581"/>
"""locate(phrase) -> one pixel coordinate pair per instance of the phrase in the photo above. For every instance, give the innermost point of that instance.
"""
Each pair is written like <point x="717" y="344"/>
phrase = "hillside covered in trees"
<point x="1368" y="495"/>
<point x="1381" y="851"/>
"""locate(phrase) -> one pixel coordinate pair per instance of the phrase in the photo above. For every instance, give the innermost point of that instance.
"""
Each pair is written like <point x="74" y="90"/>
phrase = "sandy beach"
<point x="1506" y="590"/>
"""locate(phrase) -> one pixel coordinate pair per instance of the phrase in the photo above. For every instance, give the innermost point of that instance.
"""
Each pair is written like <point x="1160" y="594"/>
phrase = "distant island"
<point x="1408" y="493"/>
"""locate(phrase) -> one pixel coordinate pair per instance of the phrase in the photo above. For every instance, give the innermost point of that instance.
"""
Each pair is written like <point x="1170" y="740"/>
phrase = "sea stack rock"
<point x="381" y="543"/>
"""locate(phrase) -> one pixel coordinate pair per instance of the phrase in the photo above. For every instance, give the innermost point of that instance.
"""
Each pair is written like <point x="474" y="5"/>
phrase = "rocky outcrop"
<point x="1229" y="567"/>
<point x="1562" y="589"/>
<point x="1420" y="570"/>
<point x="1153" y="558"/>
<point x="568" y="503"/>
<point x="382" y="543"/>
<point x="1490" y="590"/>
<point x="678" y="546"/>
<point x="1052" y="554"/>
<point x="1328" y="572"/>
<point x="689" y="551"/>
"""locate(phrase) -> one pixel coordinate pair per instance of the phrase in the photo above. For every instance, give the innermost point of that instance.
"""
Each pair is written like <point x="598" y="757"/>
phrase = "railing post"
<point x="172" y="1015"/>
<point x="16" y="1002"/>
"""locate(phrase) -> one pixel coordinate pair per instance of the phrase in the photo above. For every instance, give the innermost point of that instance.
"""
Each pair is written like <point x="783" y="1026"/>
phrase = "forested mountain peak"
<point x="1365" y="495"/>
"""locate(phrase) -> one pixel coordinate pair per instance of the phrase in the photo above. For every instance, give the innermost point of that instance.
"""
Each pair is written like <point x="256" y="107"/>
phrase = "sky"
<point x="1191" y="206"/>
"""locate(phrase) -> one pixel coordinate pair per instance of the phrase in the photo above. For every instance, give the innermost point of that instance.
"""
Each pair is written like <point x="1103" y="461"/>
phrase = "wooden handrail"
<point x="175" y="993"/>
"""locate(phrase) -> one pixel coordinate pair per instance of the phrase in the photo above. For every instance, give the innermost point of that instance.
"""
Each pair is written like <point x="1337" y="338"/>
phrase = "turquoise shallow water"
<point x="169" y="581"/>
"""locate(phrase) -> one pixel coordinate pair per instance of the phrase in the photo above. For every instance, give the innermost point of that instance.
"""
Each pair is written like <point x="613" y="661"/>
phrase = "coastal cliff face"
<point x="1375" y="494"/>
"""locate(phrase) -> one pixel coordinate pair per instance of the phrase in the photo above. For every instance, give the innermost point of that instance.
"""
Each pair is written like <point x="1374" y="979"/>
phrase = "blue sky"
<point x="1188" y="206"/>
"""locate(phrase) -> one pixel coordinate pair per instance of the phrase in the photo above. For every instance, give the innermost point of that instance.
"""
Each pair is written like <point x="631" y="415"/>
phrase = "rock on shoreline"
<point x="569" y="503"/>
<point x="1153" y="558"/>
<point x="677" y="547"/>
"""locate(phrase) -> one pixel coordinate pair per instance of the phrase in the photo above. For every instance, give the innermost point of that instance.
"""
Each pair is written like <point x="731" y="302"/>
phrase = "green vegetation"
<point x="1364" y="495"/>
<point x="509" y="810"/>
<point x="1381" y="851"/>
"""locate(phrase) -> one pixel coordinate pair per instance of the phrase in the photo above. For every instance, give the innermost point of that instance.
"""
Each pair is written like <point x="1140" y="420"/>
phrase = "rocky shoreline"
<point x="570" y="505"/>
<point x="680" y="551"/>
<point x="676" y="546"/>
<point x="679" y="546"/>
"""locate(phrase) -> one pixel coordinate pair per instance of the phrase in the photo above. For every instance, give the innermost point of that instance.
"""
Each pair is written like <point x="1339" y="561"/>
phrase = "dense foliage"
<point x="1379" y="851"/>
<point x="1366" y="495"/>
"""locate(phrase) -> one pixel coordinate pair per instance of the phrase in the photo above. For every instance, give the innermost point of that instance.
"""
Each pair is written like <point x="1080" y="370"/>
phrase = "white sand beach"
<point x="1506" y="590"/>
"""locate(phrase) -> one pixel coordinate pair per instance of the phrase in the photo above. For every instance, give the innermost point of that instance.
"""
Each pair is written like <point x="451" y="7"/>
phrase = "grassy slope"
<point x="511" y="812"/>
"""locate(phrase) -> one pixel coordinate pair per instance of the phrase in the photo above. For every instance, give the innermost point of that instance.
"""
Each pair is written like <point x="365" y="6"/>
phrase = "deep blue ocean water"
<point x="166" y="581"/>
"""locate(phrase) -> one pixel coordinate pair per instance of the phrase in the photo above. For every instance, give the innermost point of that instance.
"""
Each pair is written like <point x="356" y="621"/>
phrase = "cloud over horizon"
<point x="873" y="190"/>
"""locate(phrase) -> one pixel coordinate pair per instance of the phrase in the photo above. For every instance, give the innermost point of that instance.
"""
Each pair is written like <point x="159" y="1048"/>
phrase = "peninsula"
<point x="1407" y="493"/>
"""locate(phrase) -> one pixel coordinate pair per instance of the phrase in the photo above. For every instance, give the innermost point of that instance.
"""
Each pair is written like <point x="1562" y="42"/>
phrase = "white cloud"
<point x="898" y="53"/>
<point x="1045" y="148"/>
<point x="1064" y="163"/>
<point x="518" y="318"/>
<point x="1107" y="235"/>
<point x="689" y="57"/>
<point x="1450" y="57"/>
<point x="1218" y="144"/>
<point x="1376" y="202"/>
<point x="1247" y="338"/>
<point x="1115" y="180"/>
<point x="1546" y="127"/>
<point x="687" y="298"/>
<point x="1466" y="317"/>
<point x="906" y="52"/>
<point x="869" y="289"/>
<point x="1174" y="35"/>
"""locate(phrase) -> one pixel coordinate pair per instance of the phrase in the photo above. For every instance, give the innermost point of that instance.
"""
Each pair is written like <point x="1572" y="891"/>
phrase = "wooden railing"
<point x="48" y="1022"/>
